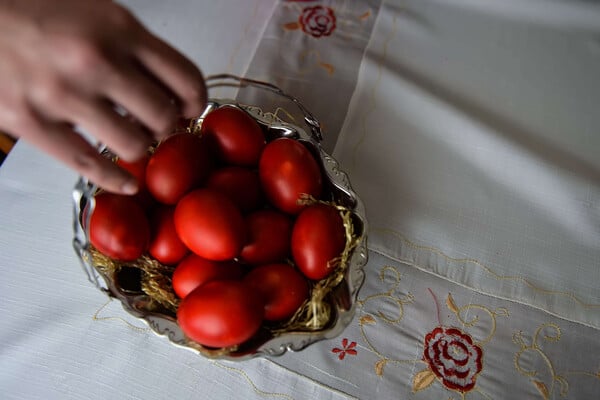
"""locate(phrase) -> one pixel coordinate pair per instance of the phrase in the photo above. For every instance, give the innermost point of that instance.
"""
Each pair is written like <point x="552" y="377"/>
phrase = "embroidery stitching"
<point x="550" y="333"/>
<point x="97" y="317"/>
<point x="452" y="355"/>
<point x="479" y="264"/>
<point x="347" y="348"/>
<point x="317" y="21"/>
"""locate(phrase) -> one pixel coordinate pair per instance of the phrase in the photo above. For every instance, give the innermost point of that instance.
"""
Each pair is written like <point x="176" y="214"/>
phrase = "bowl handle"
<point x="230" y="80"/>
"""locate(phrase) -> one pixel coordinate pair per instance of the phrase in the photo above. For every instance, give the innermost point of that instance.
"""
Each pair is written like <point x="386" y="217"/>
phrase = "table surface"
<point x="470" y="131"/>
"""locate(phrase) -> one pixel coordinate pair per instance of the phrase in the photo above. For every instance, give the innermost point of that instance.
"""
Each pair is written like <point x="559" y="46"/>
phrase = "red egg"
<point x="118" y="227"/>
<point x="165" y="245"/>
<point x="194" y="271"/>
<point x="234" y="136"/>
<point x="221" y="313"/>
<point x="318" y="237"/>
<point x="210" y="225"/>
<point x="282" y="288"/>
<point x="288" y="171"/>
<point x="269" y="233"/>
<point x="180" y="163"/>
<point x="241" y="185"/>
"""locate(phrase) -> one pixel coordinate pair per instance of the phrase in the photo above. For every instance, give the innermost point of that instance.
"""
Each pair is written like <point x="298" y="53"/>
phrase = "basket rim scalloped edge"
<point x="165" y="326"/>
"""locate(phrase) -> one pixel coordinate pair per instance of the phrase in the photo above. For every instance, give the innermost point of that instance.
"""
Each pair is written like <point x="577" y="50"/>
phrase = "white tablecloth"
<point x="472" y="136"/>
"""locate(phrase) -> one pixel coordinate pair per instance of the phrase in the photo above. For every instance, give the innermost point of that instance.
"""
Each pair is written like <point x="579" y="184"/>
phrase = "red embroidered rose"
<point x="453" y="357"/>
<point x="317" y="21"/>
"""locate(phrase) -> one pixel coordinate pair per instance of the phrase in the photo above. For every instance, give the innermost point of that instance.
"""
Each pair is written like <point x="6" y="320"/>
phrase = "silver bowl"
<point x="291" y="120"/>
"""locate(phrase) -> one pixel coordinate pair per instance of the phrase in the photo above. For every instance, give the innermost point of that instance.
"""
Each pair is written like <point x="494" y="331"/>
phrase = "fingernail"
<point x="130" y="187"/>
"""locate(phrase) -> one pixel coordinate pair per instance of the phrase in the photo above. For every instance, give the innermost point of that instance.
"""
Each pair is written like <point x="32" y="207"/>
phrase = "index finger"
<point x="65" y="144"/>
<point x="175" y="71"/>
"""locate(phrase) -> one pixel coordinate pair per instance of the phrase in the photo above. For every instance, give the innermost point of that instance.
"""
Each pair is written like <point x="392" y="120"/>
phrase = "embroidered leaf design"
<point x="291" y="26"/>
<point x="367" y="320"/>
<point x="328" y="67"/>
<point x="541" y="387"/>
<point x="451" y="304"/>
<point x="379" y="366"/>
<point x="564" y="385"/>
<point x="365" y="15"/>
<point x="501" y="312"/>
<point x="423" y="380"/>
<point x="518" y="339"/>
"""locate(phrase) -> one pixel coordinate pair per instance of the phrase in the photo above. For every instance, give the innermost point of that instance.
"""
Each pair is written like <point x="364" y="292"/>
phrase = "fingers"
<point x="96" y="116"/>
<point x="177" y="73"/>
<point x="124" y="136"/>
<point x="63" y="143"/>
<point x="79" y="63"/>
<point x="143" y="97"/>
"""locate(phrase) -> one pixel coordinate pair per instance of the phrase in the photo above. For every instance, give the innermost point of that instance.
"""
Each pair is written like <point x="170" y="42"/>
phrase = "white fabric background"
<point x="471" y="136"/>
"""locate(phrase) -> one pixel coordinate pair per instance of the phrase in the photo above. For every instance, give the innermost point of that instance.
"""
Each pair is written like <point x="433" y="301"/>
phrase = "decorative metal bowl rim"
<point x="162" y="325"/>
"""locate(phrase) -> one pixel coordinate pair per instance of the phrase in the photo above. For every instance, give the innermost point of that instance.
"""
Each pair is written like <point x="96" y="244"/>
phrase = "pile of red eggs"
<point x="228" y="210"/>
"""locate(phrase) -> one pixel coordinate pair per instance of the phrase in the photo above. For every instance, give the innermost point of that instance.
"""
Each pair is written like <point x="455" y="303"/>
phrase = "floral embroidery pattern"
<point x="390" y="277"/>
<point x="453" y="357"/>
<point x="452" y="352"/>
<point x="317" y="21"/>
<point x="546" y="333"/>
<point x="347" y="348"/>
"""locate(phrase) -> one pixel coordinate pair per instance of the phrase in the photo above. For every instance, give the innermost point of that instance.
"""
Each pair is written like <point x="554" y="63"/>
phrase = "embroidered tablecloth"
<point x="469" y="129"/>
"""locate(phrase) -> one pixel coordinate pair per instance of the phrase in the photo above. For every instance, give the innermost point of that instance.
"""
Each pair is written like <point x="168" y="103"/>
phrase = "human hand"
<point x="70" y="65"/>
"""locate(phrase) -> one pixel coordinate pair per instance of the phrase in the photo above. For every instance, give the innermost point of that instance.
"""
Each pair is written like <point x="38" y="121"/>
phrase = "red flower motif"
<point x="317" y="21"/>
<point x="345" y="349"/>
<point x="453" y="357"/>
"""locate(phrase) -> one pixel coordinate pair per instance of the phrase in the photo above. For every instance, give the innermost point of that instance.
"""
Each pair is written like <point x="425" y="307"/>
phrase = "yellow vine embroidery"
<point x="318" y="61"/>
<point x="251" y="383"/>
<point x="399" y="301"/>
<point x="479" y="264"/>
<point x="535" y="348"/>
<point x="392" y="275"/>
<point x="461" y="312"/>
<point x="96" y="317"/>
<point x="549" y="333"/>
